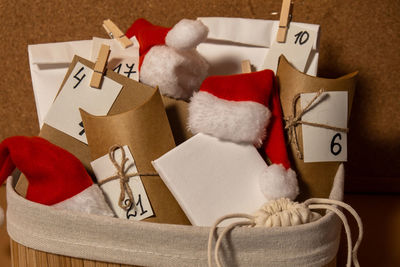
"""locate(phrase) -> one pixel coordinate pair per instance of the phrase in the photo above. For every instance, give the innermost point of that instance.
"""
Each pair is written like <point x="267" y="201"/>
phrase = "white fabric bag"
<point x="232" y="40"/>
<point x="150" y="244"/>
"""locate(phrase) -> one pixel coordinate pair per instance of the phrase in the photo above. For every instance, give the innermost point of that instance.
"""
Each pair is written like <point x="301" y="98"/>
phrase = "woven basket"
<point x="44" y="236"/>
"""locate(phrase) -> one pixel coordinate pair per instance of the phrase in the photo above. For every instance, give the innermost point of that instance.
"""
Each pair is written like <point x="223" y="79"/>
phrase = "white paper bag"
<point x="232" y="40"/>
<point x="49" y="64"/>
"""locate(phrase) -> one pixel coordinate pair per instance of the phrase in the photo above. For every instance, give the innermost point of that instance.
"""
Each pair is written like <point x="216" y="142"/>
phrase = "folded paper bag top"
<point x="56" y="177"/>
<point x="146" y="131"/>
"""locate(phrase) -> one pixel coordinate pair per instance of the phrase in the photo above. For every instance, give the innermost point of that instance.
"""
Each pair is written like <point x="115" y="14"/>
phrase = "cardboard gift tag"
<point x="316" y="178"/>
<point x="321" y="144"/>
<point x="211" y="178"/>
<point x="146" y="131"/>
<point x="124" y="61"/>
<point x="77" y="93"/>
<point x="232" y="40"/>
<point x="297" y="48"/>
<point x="103" y="168"/>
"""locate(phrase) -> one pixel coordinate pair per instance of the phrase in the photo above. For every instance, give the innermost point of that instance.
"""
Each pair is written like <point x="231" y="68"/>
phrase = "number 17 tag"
<point x="320" y="144"/>
<point x="296" y="49"/>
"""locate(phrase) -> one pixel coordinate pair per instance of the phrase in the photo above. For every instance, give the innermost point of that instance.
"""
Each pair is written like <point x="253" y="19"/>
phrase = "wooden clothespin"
<point x="284" y="21"/>
<point x="115" y="33"/>
<point x="100" y="66"/>
<point x="246" y="67"/>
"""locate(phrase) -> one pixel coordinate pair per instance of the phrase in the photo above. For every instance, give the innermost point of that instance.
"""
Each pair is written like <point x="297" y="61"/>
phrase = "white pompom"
<point x="186" y="34"/>
<point x="1" y="216"/>
<point x="178" y="73"/>
<point x="277" y="182"/>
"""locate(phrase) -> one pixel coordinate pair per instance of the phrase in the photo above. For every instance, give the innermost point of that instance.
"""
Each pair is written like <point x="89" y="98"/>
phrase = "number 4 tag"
<point x="320" y="144"/>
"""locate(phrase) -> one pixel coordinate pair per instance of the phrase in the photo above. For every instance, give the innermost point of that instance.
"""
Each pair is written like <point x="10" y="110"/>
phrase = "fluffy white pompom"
<point x="277" y="182"/>
<point x="186" y="34"/>
<point x="178" y="73"/>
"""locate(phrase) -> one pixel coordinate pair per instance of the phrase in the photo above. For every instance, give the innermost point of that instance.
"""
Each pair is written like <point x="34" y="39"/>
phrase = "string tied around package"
<point x="284" y="212"/>
<point x="123" y="177"/>
<point x="292" y="121"/>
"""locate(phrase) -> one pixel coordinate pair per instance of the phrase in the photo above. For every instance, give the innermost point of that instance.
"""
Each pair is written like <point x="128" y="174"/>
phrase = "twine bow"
<point x="294" y="120"/>
<point x="123" y="177"/>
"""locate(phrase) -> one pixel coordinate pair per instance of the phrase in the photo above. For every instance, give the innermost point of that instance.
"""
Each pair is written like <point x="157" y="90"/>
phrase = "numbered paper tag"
<point x="297" y="48"/>
<point x="124" y="61"/>
<point x="76" y="93"/>
<point x="104" y="168"/>
<point x="126" y="66"/>
<point x="321" y="144"/>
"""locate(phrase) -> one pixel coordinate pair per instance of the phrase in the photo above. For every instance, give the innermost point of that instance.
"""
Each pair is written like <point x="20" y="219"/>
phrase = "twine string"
<point x="312" y="204"/>
<point x="292" y="121"/>
<point x="123" y="177"/>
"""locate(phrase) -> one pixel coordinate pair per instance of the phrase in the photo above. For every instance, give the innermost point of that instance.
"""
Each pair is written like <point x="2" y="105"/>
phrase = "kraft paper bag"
<point x="316" y="178"/>
<point x="146" y="131"/>
<point x="178" y="113"/>
<point x="131" y="95"/>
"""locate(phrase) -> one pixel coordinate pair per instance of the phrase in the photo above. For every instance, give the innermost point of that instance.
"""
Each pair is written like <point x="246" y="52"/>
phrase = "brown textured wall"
<point x="355" y="35"/>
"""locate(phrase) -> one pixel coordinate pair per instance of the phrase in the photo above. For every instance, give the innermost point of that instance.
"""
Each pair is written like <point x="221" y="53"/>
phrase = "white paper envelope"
<point x="232" y="40"/>
<point x="49" y="64"/>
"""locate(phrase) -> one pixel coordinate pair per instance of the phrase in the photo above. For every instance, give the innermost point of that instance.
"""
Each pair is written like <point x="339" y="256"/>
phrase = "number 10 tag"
<point x="320" y="144"/>
<point x="296" y="49"/>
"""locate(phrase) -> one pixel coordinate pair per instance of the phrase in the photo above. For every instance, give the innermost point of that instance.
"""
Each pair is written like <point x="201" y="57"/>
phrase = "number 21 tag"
<point x="320" y="144"/>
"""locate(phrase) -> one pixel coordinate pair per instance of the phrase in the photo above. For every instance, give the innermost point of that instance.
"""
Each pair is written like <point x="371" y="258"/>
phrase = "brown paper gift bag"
<point x="145" y="129"/>
<point x="133" y="94"/>
<point x="315" y="179"/>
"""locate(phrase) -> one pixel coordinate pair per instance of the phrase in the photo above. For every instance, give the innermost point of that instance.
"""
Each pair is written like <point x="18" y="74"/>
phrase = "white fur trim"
<point x="277" y="182"/>
<point x="237" y="121"/>
<point x="186" y="34"/>
<point x="91" y="200"/>
<point x="178" y="73"/>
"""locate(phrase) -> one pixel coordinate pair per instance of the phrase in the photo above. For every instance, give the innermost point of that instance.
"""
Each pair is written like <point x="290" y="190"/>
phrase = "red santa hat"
<point x="168" y="57"/>
<point x="148" y="35"/>
<point x="56" y="177"/>
<point x="245" y="108"/>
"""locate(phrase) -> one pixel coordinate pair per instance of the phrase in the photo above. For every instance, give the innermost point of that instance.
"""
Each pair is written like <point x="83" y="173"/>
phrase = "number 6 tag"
<point x="320" y="144"/>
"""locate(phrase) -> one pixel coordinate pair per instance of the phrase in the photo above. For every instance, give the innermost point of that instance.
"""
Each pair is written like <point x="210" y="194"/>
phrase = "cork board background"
<point x="359" y="35"/>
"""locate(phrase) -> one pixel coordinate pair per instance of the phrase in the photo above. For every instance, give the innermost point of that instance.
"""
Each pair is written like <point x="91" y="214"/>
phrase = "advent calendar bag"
<point x="63" y="126"/>
<point x="232" y="40"/>
<point x="40" y="232"/>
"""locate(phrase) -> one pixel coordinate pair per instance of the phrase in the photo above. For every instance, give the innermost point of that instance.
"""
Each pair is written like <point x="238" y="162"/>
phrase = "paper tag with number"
<point x="104" y="168"/>
<point x="124" y="61"/>
<point x="76" y="93"/>
<point x="297" y="48"/>
<point x="321" y="144"/>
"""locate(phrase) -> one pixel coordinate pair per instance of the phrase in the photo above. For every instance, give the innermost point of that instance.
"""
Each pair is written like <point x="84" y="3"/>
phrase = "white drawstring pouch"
<point x="121" y="241"/>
